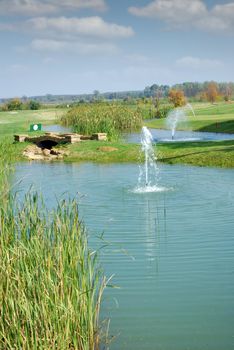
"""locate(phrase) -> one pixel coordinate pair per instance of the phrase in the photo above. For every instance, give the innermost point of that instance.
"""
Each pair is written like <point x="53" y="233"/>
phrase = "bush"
<point x="14" y="105"/>
<point x="34" y="105"/>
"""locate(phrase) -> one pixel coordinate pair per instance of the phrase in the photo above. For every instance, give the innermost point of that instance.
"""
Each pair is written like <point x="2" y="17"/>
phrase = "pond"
<point x="171" y="252"/>
<point x="56" y="128"/>
<point x="161" y="135"/>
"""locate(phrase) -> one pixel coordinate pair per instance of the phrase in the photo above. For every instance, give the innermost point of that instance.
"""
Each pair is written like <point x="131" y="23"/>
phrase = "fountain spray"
<point x="176" y="116"/>
<point x="149" y="172"/>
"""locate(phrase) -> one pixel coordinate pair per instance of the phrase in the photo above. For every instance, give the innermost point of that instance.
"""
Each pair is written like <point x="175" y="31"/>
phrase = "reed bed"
<point x="7" y="156"/>
<point x="100" y="117"/>
<point x="51" y="282"/>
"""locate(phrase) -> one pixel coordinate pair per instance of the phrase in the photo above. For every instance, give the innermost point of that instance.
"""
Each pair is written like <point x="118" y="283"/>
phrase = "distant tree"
<point x="24" y="99"/>
<point x="96" y="94"/>
<point x="34" y="105"/>
<point x="147" y="91"/>
<point x="202" y="97"/>
<point x="14" y="104"/>
<point x="228" y="92"/>
<point x="212" y="92"/>
<point x="177" y="98"/>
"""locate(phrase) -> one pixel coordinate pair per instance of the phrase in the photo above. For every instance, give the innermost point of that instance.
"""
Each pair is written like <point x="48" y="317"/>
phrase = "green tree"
<point x="14" y="104"/>
<point x="34" y="105"/>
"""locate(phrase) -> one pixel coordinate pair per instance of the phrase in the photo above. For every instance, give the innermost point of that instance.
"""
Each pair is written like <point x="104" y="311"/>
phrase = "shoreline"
<point x="196" y="153"/>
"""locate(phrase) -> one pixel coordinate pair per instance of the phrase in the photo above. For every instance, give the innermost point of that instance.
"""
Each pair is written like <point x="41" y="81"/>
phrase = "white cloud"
<point x="88" y="26"/>
<point x="189" y="13"/>
<point x="84" y="48"/>
<point x="25" y="7"/>
<point x="220" y="18"/>
<point x="38" y="7"/>
<point x="172" y="11"/>
<point x="99" y="5"/>
<point x="198" y="63"/>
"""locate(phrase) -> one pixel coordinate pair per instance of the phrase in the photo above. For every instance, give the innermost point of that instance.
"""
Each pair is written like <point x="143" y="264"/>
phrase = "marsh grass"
<point x="51" y="282"/>
<point x="100" y="117"/>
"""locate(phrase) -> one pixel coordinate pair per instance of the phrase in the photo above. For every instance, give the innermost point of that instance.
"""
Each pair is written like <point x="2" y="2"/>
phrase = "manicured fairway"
<point x="211" y="118"/>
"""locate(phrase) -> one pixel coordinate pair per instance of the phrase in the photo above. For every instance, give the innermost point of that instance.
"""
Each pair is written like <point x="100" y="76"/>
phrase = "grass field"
<point x="211" y="118"/>
<point x="19" y="121"/>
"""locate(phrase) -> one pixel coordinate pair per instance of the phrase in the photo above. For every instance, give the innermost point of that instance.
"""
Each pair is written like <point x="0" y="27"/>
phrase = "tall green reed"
<point x="101" y="117"/>
<point x="51" y="282"/>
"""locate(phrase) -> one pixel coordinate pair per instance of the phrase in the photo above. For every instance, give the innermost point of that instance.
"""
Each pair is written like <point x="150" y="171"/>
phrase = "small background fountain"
<point x="177" y="116"/>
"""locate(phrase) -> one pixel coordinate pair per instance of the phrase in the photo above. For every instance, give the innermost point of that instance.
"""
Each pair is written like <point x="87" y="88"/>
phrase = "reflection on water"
<point x="171" y="252"/>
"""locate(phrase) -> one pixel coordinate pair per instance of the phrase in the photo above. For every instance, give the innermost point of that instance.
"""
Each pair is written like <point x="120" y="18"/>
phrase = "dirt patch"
<point x="107" y="149"/>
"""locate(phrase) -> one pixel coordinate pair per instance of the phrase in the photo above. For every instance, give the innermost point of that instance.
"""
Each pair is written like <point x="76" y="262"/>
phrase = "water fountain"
<point x="176" y="116"/>
<point x="149" y="172"/>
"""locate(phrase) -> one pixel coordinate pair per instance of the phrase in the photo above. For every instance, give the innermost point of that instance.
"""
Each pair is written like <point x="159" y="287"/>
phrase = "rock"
<point x="100" y="136"/>
<point x="46" y="152"/>
<point x="34" y="152"/>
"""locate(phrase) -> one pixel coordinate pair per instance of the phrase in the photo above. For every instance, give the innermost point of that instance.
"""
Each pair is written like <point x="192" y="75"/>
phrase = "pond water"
<point x="172" y="252"/>
<point x="161" y="135"/>
<point x="56" y="128"/>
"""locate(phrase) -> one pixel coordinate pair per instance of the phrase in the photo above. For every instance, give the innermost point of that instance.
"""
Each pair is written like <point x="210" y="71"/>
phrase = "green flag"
<point x="35" y="127"/>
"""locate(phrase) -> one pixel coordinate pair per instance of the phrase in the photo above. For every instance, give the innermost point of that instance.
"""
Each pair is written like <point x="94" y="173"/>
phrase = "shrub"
<point x="34" y="105"/>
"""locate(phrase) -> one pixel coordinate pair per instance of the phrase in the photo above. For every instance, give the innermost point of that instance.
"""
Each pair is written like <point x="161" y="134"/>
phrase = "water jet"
<point x="149" y="172"/>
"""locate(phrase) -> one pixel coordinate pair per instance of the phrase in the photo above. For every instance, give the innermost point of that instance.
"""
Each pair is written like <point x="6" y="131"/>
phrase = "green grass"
<point x="93" y="151"/>
<point x="210" y="118"/>
<point x="210" y="153"/>
<point x="19" y="122"/>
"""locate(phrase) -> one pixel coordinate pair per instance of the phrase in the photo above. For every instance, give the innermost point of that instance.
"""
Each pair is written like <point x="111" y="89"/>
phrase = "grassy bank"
<point x="210" y="118"/>
<point x="212" y="153"/>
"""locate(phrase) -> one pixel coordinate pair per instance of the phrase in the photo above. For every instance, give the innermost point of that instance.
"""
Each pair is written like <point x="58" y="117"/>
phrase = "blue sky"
<point x="77" y="46"/>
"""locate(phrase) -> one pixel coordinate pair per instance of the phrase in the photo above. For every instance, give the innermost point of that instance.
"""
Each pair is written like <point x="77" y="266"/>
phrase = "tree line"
<point x="206" y="91"/>
<point x="195" y="90"/>
<point x="16" y="104"/>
